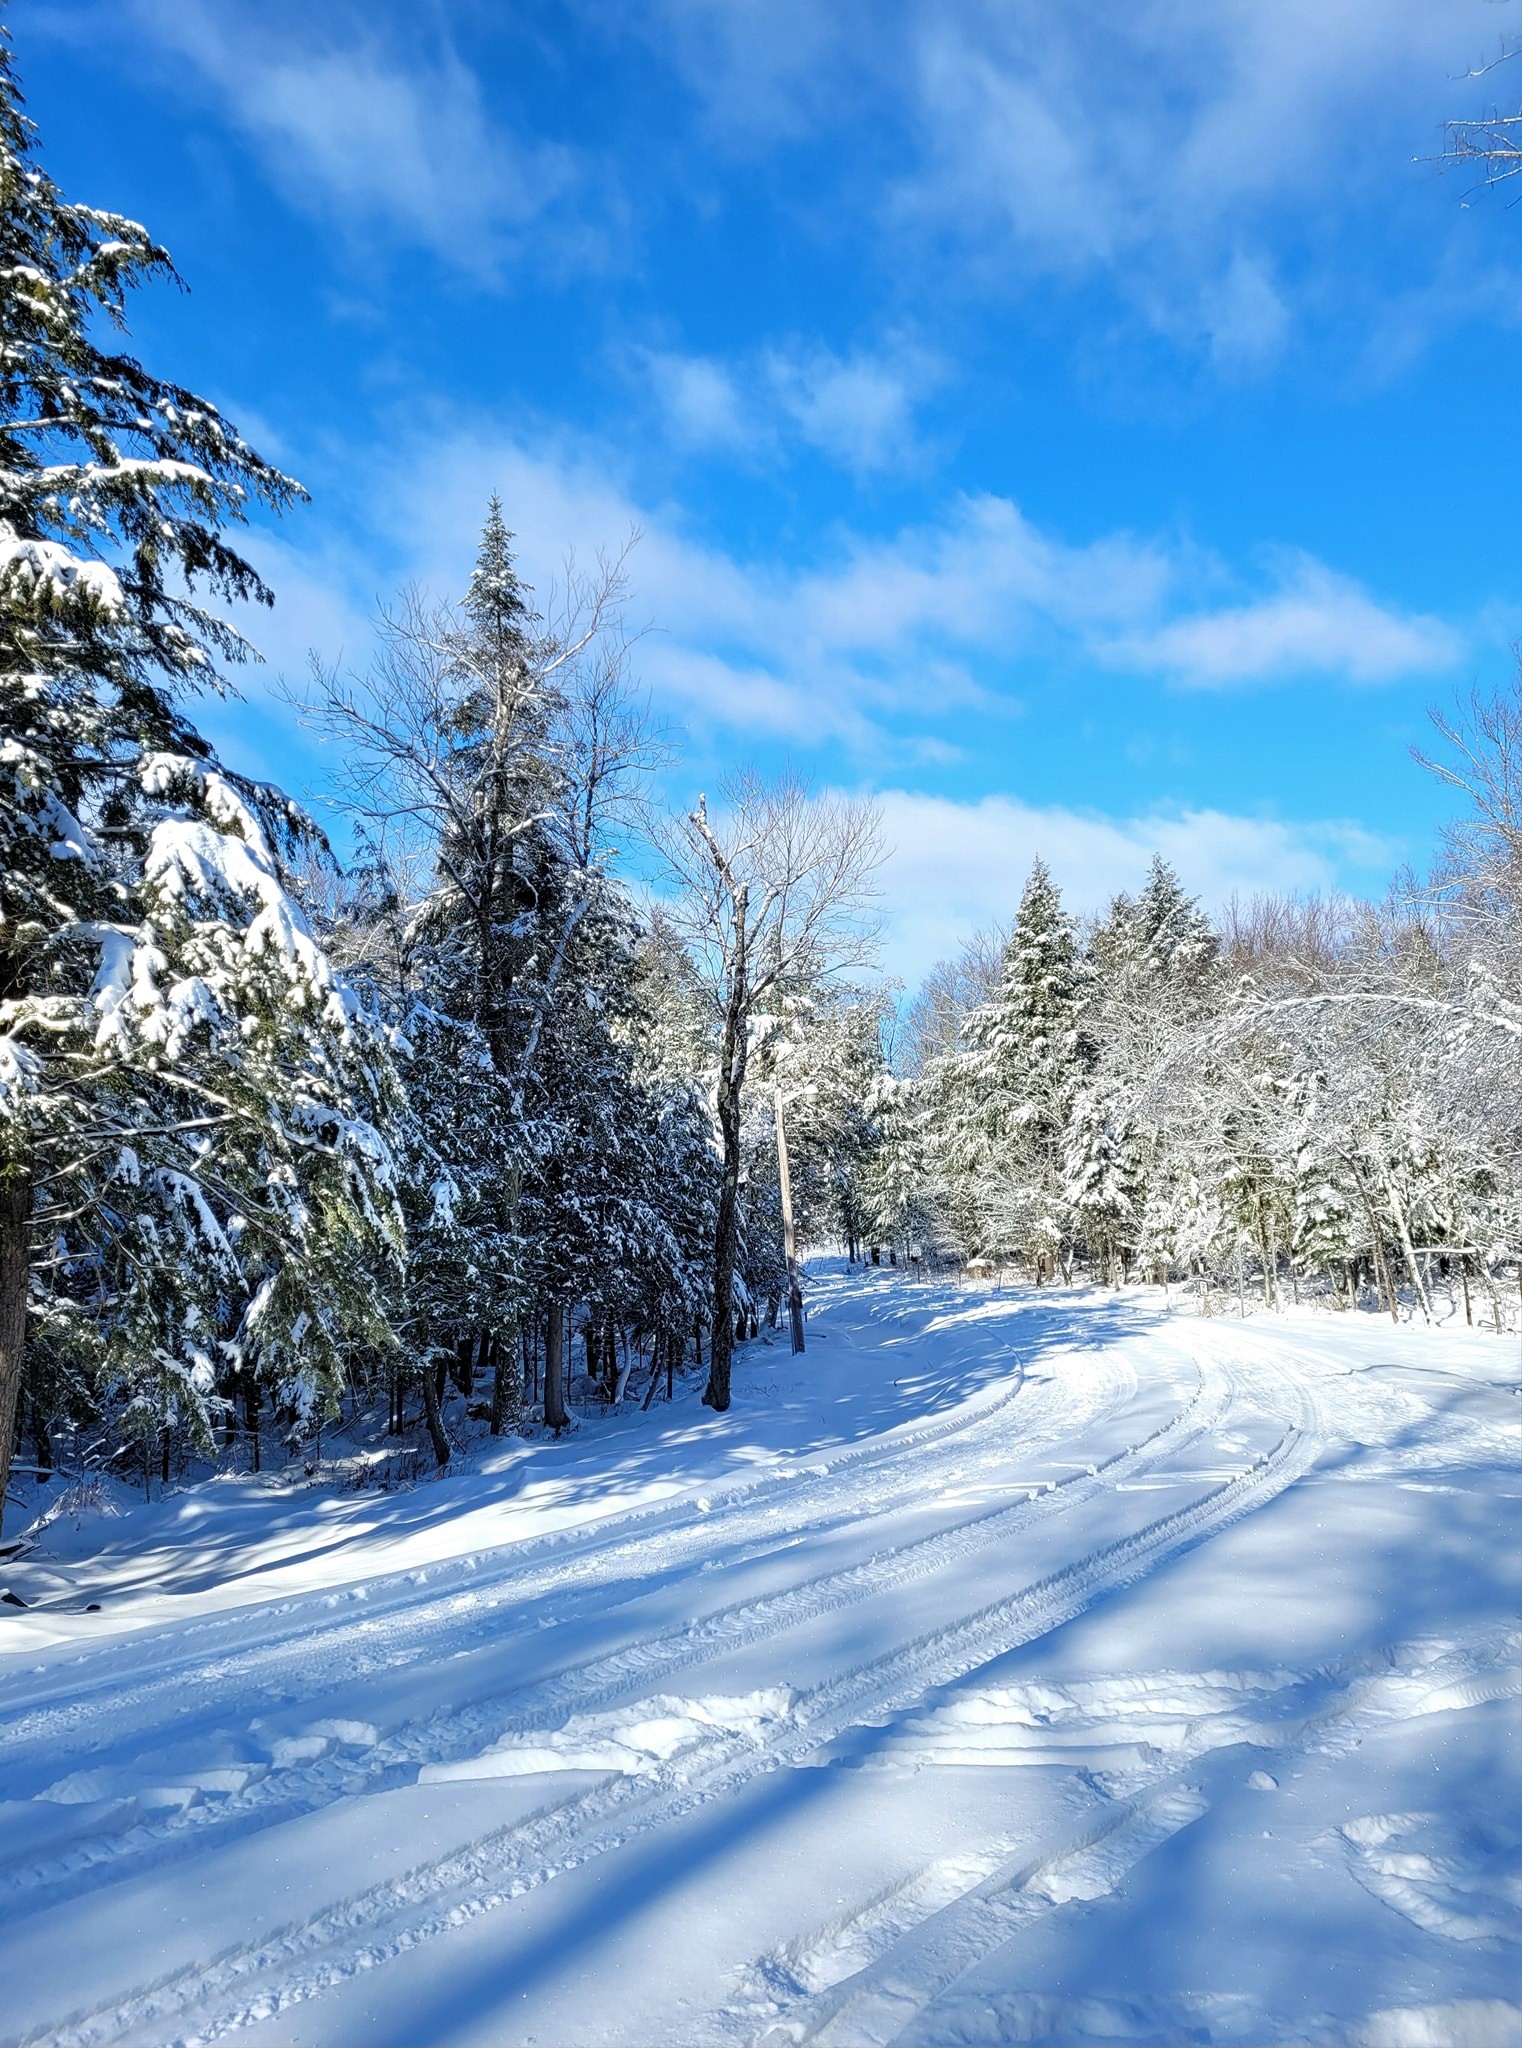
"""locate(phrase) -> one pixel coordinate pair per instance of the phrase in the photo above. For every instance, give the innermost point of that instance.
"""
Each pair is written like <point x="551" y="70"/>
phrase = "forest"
<point x="469" y="1109"/>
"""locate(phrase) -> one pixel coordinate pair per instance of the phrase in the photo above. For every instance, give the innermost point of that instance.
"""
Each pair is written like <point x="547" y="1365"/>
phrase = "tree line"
<point x="1307" y="1096"/>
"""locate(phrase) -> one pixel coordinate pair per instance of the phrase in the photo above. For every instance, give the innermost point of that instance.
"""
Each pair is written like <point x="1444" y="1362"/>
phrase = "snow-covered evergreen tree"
<point x="191" y="1180"/>
<point x="997" y="1106"/>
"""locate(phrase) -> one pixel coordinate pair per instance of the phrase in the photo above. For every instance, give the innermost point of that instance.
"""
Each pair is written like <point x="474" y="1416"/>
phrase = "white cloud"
<point x="982" y="576"/>
<point x="351" y="127"/>
<point x="761" y="68"/>
<point x="869" y="653"/>
<point x="1245" y="318"/>
<point x="874" y="647"/>
<point x="319" y="606"/>
<point x="1175" y="147"/>
<point x="1317" y="623"/>
<point x="957" y="868"/>
<point x="857" y="410"/>
<point x="700" y="401"/>
<point x="750" y="698"/>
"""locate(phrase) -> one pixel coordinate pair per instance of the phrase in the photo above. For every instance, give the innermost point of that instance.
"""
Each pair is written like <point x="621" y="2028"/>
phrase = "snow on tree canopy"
<point x="165" y="998"/>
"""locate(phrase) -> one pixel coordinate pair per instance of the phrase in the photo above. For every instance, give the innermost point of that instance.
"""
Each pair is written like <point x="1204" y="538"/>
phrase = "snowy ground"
<point x="1012" y="1668"/>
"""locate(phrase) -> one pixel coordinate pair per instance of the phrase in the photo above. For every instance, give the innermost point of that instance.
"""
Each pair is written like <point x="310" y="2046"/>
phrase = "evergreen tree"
<point x="1002" y="1103"/>
<point x="186" y="1094"/>
<point x="1103" y="1182"/>
<point x="1155" y="954"/>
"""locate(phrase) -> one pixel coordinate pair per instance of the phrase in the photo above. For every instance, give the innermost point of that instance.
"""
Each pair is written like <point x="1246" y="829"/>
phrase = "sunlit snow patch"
<point x="630" y="1739"/>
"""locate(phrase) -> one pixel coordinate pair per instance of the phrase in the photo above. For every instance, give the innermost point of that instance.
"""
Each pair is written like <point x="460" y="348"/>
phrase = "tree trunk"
<point x="1417" y="1281"/>
<point x="463" y="1367"/>
<point x="726" y="1234"/>
<point x="1490" y="1289"/>
<point x="15" y="1269"/>
<point x="1384" y="1276"/>
<point x="502" y="1355"/>
<point x="1464" y="1281"/>
<point x="1381" y="1264"/>
<point x="555" y="1416"/>
<point x="657" y="1342"/>
<point x="42" y="1439"/>
<point x="1271" y="1258"/>
<point x="251" y="1394"/>
<point x="436" y="1435"/>
<point x="608" y="1360"/>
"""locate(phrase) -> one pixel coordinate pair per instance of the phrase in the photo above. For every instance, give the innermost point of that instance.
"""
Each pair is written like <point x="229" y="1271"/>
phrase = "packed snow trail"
<point x="1033" y="1666"/>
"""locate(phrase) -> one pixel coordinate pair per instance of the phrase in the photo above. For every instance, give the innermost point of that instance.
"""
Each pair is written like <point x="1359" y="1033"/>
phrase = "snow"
<point x="47" y="568"/>
<point x="1038" y="1667"/>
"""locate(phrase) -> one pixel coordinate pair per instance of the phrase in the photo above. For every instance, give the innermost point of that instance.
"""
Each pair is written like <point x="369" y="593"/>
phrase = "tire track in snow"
<point x="592" y="1684"/>
<point x="918" y="1937"/>
<point x="402" y="1611"/>
<point x="259" y="1979"/>
<point x="876" y="2004"/>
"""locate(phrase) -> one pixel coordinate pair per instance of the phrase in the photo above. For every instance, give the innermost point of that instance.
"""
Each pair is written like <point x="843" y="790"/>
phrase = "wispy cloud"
<point x="1315" y="623"/>
<point x="857" y="410"/>
<point x="700" y="401"/>
<point x="1178" y="150"/>
<point x="871" y="652"/>
<point x="1182" y="152"/>
<point x="877" y="643"/>
<point x="355" y="126"/>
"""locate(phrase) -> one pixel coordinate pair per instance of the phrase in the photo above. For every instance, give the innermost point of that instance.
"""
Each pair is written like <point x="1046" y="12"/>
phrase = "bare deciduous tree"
<point x="1490" y="143"/>
<point x="1483" y="762"/>
<point x="773" y="890"/>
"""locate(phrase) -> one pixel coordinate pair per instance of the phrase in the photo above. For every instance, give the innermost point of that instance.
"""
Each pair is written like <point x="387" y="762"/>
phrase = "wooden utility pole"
<point x="789" y="1245"/>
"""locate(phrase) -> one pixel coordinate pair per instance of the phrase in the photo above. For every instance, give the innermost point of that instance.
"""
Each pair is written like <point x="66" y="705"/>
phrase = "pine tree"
<point x="1032" y="1035"/>
<point x="1103" y="1181"/>
<point x="486" y="912"/>
<point x="1174" y="939"/>
<point x="1003" y="1102"/>
<point x="495" y="752"/>
<point x="185" y="1091"/>
<point x="1158" y="951"/>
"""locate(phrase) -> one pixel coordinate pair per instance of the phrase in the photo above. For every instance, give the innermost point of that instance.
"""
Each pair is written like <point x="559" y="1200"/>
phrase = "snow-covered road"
<point x="1027" y="1667"/>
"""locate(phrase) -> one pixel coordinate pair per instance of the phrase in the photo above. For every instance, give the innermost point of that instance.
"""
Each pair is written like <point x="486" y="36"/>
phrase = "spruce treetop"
<point x="1174" y="934"/>
<point x="497" y="599"/>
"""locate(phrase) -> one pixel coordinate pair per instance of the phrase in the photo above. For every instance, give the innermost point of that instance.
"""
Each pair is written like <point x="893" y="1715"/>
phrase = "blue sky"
<point x="1086" y="428"/>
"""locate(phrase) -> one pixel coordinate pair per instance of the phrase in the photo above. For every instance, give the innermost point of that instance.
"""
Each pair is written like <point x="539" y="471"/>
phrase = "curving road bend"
<point x="1013" y="1667"/>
